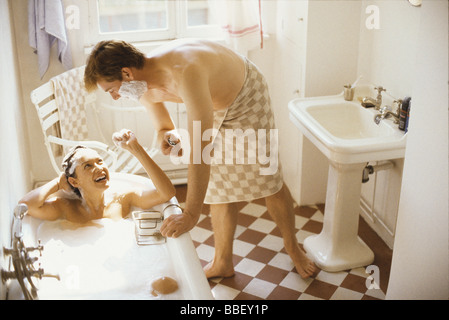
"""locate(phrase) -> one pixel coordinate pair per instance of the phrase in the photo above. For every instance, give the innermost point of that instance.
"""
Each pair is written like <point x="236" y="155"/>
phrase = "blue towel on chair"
<point x="46" y="25"/>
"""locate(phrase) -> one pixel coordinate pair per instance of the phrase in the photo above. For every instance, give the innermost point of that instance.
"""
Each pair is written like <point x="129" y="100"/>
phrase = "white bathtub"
<point x="103" y="261"/>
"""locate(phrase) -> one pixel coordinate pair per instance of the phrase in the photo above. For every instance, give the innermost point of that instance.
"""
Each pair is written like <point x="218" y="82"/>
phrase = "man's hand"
<point x="177" y="224"/>
<point x="171" y="140"/>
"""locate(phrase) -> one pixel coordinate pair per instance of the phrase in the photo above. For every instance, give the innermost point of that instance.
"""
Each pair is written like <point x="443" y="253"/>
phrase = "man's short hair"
<point x="107" y="60"/>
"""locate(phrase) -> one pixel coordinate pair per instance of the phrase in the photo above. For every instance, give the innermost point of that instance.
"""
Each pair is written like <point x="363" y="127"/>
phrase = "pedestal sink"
<point x="346" y="134"/>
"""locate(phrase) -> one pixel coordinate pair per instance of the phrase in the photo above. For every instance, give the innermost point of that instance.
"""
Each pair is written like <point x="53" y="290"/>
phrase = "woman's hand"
<point x="63" y="183"/>
<point x="125" y="139"/>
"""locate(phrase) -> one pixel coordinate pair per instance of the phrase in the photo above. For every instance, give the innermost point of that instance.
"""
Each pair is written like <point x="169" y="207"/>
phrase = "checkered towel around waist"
<point x="245" y="163"/>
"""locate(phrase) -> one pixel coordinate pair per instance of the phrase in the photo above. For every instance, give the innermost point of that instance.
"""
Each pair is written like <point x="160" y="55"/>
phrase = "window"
<point x="135" y="15"/>
<point x="200" y="13"/>
<point x="147" y="20"/>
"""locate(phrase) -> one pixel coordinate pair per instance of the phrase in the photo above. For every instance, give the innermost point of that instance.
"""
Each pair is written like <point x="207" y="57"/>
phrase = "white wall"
<point x="315" y="54"/>
<point x="387" y="54"/>
<point x="332" y="46"/>
<point x="420" y="256"/>
<point x="30" y="79"/>
<point x="14" y="156"/>
<point x="387" y="57"/>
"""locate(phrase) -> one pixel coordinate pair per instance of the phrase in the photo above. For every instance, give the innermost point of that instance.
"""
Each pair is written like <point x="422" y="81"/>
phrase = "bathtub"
<point x="101" y="260"/>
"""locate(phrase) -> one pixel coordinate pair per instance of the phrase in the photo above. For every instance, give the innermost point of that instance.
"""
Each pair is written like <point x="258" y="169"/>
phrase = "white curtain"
<point x="241" y="22"/>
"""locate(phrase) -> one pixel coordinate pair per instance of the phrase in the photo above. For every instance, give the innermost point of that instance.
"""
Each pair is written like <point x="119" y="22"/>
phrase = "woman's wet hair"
<point x="69" y="166"/>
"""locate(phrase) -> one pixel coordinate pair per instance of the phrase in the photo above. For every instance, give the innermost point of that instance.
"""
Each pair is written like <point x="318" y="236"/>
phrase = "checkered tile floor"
<point x="263" y="270"/>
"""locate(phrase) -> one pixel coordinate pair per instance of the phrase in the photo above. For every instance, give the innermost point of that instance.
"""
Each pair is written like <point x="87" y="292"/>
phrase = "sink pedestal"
<point x="338" y="247"/>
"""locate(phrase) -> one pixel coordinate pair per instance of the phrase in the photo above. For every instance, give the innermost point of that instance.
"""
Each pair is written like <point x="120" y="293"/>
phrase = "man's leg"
<point x="280" y="207"/>
<point x="224" y="222"/>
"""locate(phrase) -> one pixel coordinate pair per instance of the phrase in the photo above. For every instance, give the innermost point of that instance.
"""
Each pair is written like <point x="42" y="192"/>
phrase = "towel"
<point x="72" y="99"/>
<point x="241" y="21"/>
<point x="46" y="25"/>
<point x="245" y="175"/>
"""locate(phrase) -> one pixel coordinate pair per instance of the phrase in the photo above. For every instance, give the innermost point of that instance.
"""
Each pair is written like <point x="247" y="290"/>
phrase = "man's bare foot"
<point x="304" y="266"/>
<point x="218" y="270"/>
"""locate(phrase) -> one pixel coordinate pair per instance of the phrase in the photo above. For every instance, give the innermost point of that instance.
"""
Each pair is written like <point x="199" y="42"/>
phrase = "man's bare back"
<point x="224" y="69"/>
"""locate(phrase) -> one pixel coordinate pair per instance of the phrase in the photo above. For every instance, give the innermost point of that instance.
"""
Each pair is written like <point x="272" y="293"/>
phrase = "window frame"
<point x="176" y="27"/>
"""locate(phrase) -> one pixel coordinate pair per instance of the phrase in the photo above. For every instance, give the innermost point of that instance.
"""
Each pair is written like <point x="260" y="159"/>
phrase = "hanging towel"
<point x="241" y="21"/>
<point x="46" y="25"/>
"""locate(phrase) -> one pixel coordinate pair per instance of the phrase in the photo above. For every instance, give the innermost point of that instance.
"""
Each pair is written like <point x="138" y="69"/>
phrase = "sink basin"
<point x="347" y="120"/>
<point x="347" y="135"/>
<point x="345" y="132"/>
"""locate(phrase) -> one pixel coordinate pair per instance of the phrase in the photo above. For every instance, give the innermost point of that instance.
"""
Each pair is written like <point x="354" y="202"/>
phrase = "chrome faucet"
<point x="369" y="102"/>
<point x="22" y="261"/>
<point x="386" y="112"/>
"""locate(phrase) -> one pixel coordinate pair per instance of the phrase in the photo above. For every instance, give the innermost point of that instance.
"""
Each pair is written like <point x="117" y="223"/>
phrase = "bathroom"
<point x="310" y="48"/>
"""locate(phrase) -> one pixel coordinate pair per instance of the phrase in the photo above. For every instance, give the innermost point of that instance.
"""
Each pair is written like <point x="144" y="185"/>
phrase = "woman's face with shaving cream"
<point x="90" y="171"/>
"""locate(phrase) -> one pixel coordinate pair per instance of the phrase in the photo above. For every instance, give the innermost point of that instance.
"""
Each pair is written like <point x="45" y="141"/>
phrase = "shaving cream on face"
<point x="133" y="90"/>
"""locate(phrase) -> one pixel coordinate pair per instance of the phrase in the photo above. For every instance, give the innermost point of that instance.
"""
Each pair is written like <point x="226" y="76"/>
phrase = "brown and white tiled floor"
<point x="263" y="270"/>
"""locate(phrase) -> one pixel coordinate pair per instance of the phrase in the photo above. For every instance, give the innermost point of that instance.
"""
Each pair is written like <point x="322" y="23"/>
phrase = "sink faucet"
<point x="369" y="102"/>
<point x="386" y="112"/>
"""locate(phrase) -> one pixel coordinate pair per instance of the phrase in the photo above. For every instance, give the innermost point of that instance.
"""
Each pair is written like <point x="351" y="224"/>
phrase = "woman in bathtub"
<point x="81" y="193"/>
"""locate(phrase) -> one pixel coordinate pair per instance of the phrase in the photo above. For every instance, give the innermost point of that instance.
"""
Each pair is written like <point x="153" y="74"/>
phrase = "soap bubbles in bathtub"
<point x="100" y="261"/>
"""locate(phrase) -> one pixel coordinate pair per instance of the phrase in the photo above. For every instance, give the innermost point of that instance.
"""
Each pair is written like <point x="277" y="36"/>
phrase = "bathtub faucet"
<point x="369" y="102"/>
<point x="22" y="261"/>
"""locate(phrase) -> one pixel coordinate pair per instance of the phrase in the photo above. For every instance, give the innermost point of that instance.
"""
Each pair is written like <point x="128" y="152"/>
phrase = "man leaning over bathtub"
<point x="220" y="90"/>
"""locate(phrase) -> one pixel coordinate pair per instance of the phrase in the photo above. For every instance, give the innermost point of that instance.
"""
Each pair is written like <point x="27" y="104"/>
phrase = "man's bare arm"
<point x="162" y="123"/>
<point x="194" y="91"/>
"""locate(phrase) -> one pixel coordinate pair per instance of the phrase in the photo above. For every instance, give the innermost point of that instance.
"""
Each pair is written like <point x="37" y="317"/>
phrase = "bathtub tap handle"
<point x="39" y="248"/>
<point x="40" y="273"/>
<point x="56" y="276"/>
<point x="7" y="251"/>
<point x="6" y="275"/>
<point x="31" y="260"/>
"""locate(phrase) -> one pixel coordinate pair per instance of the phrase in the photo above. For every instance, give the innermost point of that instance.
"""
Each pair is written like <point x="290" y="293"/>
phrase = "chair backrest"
<point x="61" y="108"/>
<point x="44" y="101"/>
<point x="72" y="100"/>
